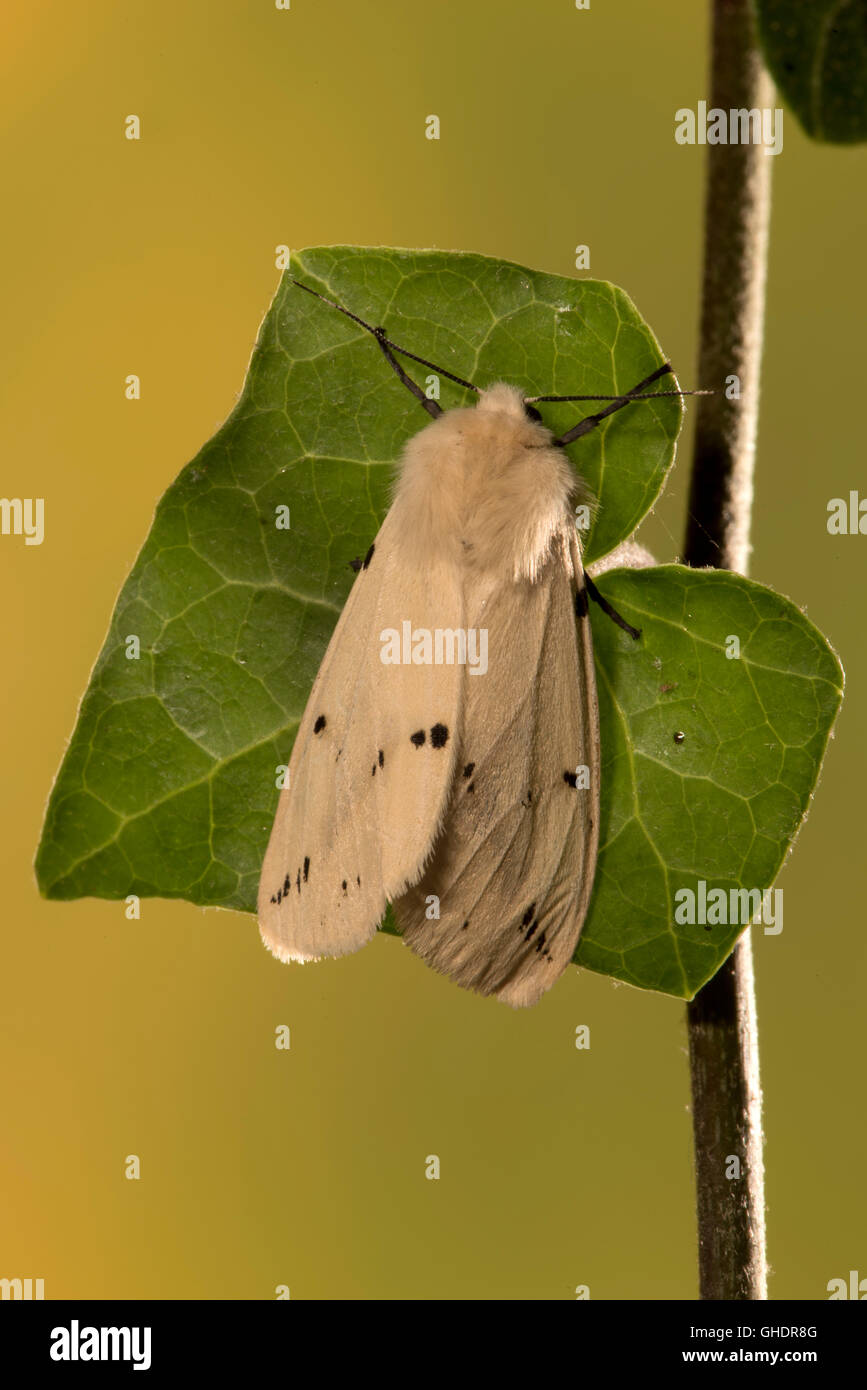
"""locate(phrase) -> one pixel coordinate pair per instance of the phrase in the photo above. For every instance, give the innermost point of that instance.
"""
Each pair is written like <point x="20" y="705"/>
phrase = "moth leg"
<point x="593" y="592"/>
<point x="432" y="407"/>
<point x="591" y="421"/>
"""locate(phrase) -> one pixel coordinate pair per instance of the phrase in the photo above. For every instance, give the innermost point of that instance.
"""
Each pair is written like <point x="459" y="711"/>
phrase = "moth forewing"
<point x="370" y="767"/>
<point x="513" y="867"/>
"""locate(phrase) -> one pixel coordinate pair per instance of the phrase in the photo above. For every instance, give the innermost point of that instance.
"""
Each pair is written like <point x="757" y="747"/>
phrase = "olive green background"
<point x="306" y="1168"/>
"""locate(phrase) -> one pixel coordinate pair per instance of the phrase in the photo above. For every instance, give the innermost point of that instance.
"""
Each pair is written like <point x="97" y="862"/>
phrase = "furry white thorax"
<point x="485" y="487"/>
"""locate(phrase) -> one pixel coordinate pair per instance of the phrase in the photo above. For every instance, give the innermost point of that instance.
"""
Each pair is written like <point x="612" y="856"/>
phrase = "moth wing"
<point x="371" y="765"/>
<point x="513" y="869"/>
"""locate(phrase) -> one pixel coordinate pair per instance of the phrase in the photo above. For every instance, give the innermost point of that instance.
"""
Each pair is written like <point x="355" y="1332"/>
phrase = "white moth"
<point x="466" y="797"/>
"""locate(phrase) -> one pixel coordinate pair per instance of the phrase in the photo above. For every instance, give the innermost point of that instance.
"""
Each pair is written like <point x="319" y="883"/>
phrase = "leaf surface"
<point x="169" y="785"/>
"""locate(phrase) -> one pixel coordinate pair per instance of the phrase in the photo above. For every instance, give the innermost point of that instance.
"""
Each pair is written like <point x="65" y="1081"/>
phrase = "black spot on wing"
<point x="381" y="758"/>
<point x="418" y="738"/>
<point x="368" y="557"/>
<point x="571" y="778"/>
<point x="319" y="725"/>
<point x="306" y="868"/>
<point x="528" y="915"/>
<point x="464" y="927"/>
<point x="468" y="770"/>
<point x="581" y="603"/>
<point x="439" y="736"/>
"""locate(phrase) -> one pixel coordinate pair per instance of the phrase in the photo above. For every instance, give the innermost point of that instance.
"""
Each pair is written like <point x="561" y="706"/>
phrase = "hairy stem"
<point x="721" y="1020"/>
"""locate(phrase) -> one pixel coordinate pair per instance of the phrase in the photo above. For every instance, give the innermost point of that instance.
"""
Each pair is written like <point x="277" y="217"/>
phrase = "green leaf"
<point x="168" y="787"/>
<point x="721" y="804"/>
<point x="816" y="52"/>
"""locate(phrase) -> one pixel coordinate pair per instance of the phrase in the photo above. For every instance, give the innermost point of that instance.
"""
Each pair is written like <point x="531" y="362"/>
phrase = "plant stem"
<point x="721" y="1020"/>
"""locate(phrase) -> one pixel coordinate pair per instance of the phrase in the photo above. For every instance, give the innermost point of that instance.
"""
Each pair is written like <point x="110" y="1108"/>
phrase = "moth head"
<point x="503" y="399"/>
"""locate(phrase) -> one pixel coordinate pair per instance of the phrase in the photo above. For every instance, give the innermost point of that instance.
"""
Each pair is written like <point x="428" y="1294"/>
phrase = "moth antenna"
<point x="593" y="592"/>
<point x="433" y="366"/>
<point x="388" y="348"/>
<point x="633" y="396"/>
<point x="334" y="305"/>
<point x="706" y="533"/>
